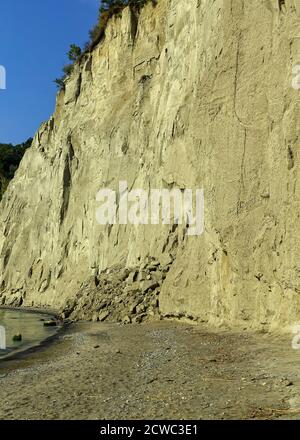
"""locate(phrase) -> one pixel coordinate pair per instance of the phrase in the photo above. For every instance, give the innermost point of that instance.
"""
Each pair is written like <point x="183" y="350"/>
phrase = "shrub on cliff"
<point x="74" y="54"/>
<point x="10" y="157"/>
<point x="108" y="9"/>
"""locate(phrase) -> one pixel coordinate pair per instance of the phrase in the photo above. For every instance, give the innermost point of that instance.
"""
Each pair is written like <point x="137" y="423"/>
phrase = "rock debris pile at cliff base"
<point x="128" y="295"/>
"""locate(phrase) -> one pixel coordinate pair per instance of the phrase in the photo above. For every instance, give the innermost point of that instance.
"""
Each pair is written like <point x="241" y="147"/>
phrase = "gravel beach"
<point x="163" y="370"/>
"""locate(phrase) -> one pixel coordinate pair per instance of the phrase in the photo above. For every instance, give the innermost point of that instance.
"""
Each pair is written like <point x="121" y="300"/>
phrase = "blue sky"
<point x="34" y="38"/>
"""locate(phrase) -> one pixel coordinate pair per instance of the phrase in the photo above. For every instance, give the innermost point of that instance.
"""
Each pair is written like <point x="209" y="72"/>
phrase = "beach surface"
<point x="162" y="370"/>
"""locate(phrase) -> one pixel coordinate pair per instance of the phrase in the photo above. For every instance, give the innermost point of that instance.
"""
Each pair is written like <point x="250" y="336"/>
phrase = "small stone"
<point x="103" y="315"/>
<point x="132" y="277"/>
<point x="165" y="259"/>
<point x="157" y="276"/>
<point x="142" y="275"/>
<point x="140" y="308"/>
<point x="50" y="323"/>
<point x="135" y="287"/>
<point x="137" y="320"/>
<point x="132" y="309"/>
<point x="155" y="302"/>
<point x="126" y="320"/>
<point x="149" y="284"/>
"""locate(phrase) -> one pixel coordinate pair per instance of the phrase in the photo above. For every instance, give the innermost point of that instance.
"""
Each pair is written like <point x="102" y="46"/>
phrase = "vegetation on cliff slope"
<point x="107" y="10"/>
<point x="10" y="157"/>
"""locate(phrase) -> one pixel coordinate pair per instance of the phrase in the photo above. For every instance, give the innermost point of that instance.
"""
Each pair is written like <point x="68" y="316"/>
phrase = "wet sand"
<point x="162" y="370"/>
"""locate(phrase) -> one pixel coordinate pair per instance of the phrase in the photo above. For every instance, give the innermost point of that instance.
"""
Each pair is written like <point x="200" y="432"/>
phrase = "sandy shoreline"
<point x="153" y="371"/>
<point x="29" y="348"/>
<point x="39" y="310"/>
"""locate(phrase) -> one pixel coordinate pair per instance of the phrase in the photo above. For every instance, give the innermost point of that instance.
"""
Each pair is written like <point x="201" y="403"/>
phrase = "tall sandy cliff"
<point x="189" y="94"/>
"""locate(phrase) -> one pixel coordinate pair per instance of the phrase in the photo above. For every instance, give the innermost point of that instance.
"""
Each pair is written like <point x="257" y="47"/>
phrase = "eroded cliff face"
<point x="191" y="94"/>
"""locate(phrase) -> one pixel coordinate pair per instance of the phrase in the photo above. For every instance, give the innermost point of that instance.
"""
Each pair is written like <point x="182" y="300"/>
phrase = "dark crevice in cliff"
<point x="6" y="258"/>
<point x="67" y="180"/>
<point x="281" y="4"/>
<point x="291" y="160"/>
<point x="134" y="19"/>
<point x="78" y="89"/>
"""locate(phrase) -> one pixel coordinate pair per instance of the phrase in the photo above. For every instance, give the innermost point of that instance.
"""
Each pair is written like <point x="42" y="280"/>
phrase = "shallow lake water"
<point x="30" y="325"/>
